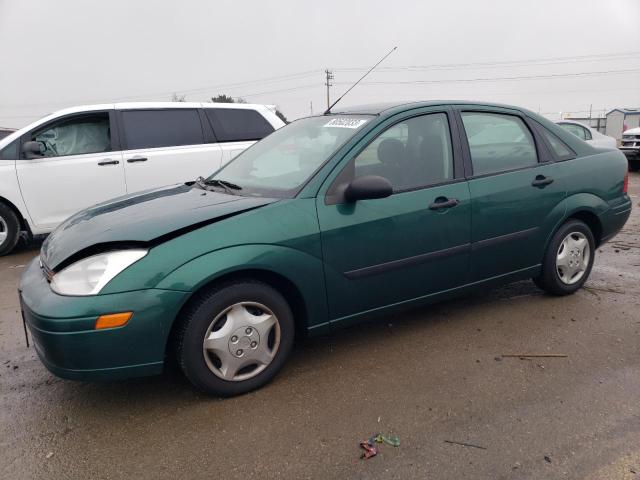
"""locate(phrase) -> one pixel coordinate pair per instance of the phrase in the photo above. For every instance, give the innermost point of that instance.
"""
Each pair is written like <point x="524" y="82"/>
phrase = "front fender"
<point x="303" y="270"/>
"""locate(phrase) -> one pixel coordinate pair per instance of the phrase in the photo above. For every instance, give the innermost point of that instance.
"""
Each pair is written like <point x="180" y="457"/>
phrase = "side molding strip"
<point x="407" y="262"/>
<point x="438" y="254"/>
<point x="489" y="242"/>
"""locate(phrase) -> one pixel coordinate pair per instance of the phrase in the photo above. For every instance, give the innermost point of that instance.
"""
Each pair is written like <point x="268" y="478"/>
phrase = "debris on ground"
<point x="547" y="458"/>
<point x="371" y="448"/>
<point x="535" y="355"/>
<point x="49" y="455"/>
<point x="464" y="444"/>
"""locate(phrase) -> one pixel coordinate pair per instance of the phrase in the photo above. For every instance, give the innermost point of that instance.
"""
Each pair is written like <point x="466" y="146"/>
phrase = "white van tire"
<point x="9" y="229"/>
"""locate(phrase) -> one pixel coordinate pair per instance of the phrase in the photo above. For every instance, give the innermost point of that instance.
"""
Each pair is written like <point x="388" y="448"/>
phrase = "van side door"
<point x="165" y="146"/>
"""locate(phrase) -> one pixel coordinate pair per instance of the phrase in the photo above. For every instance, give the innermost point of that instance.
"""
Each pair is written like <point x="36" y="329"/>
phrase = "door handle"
<point x="443" y="202"/>
<point x="541" y="181"/>
<point x="108" y="161"/>
<point x="136" y="159"/>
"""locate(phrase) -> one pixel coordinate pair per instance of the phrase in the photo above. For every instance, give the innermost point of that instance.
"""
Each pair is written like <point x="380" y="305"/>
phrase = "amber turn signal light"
<point x="113" y="320"/>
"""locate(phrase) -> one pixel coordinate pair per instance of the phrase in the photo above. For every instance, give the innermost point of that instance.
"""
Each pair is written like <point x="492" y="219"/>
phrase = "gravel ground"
<point x="429" y="376"/>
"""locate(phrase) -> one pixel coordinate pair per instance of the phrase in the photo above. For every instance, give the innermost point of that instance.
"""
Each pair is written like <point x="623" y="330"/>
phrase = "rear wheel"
<point x="9" y="229"/>
<point x="568" y="260"/>
<point x="235" y="338"/>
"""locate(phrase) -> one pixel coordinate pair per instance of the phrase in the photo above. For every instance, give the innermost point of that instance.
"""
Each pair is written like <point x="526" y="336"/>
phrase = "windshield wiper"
<point x="222" y="183"/>
<point x="227" y="186"/>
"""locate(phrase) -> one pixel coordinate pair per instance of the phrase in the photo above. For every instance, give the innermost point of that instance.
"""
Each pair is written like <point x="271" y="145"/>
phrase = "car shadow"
<point x="309" y="354"/>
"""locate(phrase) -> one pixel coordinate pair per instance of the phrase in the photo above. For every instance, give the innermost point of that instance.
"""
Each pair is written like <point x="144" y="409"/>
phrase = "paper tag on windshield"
<point x="345" y="122"/>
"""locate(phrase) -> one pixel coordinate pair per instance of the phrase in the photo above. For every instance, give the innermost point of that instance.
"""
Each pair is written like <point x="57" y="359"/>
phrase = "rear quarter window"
<point x="559" y="148"/>
<point x="238" y="124"/>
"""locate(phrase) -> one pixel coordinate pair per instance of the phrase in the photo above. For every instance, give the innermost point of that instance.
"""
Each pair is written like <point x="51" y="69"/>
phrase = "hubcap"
<point x="241" y="341"/>
<point x="573" y="258"/>
<point x="4" y="230"/>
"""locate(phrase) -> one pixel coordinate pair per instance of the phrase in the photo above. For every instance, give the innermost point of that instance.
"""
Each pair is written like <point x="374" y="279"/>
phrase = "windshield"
<point x="281" y="163"/>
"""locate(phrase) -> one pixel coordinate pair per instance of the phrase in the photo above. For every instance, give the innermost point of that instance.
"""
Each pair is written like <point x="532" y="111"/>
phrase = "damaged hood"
<point x="143" y="217"/>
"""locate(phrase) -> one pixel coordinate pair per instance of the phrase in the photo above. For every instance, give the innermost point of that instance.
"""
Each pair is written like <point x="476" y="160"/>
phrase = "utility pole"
<point x="311" y="106"/>
<point x="329" y="75"/>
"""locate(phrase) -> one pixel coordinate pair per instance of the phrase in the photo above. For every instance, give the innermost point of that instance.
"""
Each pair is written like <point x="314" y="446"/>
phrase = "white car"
<point x="588" y="134"/>
<point x="81" y="156"/>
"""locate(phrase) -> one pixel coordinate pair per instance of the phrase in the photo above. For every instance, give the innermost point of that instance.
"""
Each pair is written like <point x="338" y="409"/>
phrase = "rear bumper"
<point x="614" y="219"/>
<point x="62" y="329"/>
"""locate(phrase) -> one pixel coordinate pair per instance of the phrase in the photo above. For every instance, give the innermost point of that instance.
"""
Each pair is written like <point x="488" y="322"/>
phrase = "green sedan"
<point x="329" y="221"/>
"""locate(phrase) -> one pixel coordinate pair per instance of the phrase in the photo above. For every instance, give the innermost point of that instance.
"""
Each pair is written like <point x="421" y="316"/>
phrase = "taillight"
<point x="625" y="185"/>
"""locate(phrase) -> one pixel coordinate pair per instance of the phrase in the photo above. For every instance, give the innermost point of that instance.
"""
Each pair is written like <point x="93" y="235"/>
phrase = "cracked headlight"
<point x="89" y="275"/>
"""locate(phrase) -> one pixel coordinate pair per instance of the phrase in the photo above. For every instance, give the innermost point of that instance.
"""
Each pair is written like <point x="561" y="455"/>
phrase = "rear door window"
<point x="162" y="128"/>
<point x="498" y="142"/>
<point x="238" y="124"/>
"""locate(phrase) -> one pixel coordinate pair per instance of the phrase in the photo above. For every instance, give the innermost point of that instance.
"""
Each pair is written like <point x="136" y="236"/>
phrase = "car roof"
<point x="394" y="107"/>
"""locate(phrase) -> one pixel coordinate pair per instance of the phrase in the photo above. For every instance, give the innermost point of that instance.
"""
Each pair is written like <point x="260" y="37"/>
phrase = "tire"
<point x="558" y="279"/>
<point x="9" y="229"/>
<point x="235" y="316"/>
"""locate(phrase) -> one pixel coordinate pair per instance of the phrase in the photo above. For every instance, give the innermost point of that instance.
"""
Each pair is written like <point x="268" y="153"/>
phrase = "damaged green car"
<point x="328" y="221"/>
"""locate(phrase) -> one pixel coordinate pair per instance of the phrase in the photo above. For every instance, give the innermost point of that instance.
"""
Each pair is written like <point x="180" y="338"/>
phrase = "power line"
<point x="276" y="79"/>
<point x="529" y="62"/>
<point x="496" y="79"/>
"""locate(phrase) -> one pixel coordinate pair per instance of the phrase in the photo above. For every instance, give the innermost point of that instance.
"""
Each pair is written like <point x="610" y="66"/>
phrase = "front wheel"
<point x="568" y="260"/>
<point x="9" y="229"/>
<point x="235" y="338"/>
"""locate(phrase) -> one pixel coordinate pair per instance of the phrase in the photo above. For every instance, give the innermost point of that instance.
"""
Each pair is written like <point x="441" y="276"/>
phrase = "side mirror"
<point x="33" y="150"/>
<point x="368" y="187"/>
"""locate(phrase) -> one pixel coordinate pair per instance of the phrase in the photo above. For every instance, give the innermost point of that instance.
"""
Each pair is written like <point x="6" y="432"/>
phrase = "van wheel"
<point x="235" y="338"/>
<point x="9" y="229"/>
<point x="568" y="260"/>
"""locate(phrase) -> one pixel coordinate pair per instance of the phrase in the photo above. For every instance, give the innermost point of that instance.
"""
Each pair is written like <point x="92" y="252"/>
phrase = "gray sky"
<point x="70" y="52"/>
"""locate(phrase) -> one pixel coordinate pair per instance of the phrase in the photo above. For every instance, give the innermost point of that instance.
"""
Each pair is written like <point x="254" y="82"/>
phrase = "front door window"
<point x="75" y="136"/>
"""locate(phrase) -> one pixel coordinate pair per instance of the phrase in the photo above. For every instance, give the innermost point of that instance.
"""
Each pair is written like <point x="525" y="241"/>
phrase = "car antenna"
<point x="328" y="110"/>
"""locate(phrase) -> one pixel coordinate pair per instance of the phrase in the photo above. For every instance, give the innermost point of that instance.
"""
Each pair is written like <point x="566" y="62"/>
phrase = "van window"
<point x="498" y="142"/>
<point x="161" y="128"/>
<point x="10" y="152"/>
<point x="238" y="124"/>
<point x="77" y="135"/>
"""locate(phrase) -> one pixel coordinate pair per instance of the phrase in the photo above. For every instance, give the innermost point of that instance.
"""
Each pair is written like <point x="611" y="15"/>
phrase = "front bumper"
<point x="63" y="331"/>
<point x="631" y="153"/>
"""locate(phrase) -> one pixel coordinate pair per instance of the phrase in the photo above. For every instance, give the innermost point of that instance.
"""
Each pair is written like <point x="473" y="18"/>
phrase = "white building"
<point x="621" y="119"/>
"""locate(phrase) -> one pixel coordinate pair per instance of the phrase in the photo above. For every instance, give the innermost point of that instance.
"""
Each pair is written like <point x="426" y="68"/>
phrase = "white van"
<point x="81" y="156"/>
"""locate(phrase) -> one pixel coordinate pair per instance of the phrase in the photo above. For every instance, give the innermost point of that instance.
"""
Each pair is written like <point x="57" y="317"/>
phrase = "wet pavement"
<point x="431" y="376"/>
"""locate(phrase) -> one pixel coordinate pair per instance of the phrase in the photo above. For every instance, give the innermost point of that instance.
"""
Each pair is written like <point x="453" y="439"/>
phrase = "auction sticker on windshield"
<point x="345" y="122"/>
